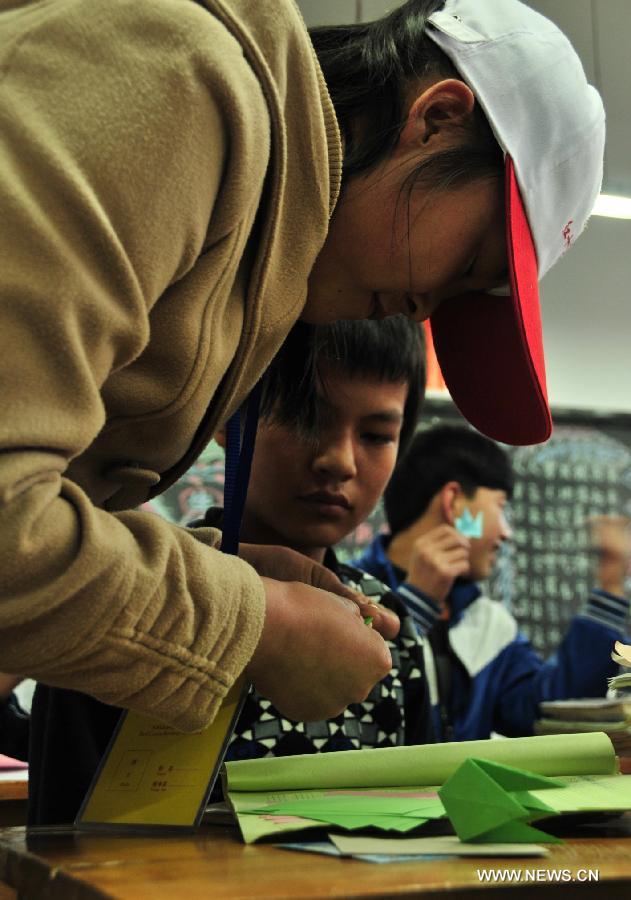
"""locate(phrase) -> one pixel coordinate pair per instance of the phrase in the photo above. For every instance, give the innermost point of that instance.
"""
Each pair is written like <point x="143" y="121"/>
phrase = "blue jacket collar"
<point x="462" y="595"/>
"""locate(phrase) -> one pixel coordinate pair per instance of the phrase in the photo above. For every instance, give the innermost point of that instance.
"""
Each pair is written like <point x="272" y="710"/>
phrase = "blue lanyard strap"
<point x="238" y="465"/>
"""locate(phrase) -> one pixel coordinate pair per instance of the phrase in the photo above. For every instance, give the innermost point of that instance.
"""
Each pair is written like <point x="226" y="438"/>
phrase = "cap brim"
<point x="490" y="348"/>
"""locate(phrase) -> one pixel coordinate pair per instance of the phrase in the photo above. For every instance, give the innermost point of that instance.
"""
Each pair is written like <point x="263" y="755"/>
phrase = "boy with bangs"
<point x="308" y="491"/>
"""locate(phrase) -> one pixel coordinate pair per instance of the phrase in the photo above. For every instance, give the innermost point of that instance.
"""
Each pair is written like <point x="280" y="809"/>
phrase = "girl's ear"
<point x="434" y="111"/>
<point x="451" y="499"/>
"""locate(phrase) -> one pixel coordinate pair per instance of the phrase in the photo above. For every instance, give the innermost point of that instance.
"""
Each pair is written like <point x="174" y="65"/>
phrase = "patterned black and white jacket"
<point x="396" y="712"/>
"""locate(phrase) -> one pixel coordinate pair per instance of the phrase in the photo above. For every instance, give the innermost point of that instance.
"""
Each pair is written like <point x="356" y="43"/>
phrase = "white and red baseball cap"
<point x="550" y="123"/>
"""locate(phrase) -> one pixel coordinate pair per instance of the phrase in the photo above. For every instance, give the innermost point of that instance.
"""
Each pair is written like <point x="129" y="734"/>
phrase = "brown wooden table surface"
<point x="14" y="790"/>
<point x="214" y="863"/>
<point x="13" y="803"/>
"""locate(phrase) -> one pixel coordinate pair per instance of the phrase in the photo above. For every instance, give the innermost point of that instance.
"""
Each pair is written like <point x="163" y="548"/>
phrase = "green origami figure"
<point x="488" y="802"/>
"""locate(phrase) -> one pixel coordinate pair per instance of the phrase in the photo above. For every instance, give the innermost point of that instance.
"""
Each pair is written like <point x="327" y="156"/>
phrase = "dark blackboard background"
<point x="545" y="576"/>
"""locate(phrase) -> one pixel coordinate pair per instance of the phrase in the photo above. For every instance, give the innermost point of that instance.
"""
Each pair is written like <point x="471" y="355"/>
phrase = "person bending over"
<point x="195" y="178"/>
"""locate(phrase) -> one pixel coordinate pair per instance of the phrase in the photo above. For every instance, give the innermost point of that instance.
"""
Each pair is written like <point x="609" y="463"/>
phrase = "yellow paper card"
<point x="154" y="776"/>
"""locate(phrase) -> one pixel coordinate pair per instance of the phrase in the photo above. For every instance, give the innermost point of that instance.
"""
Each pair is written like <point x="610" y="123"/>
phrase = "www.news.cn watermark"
<point x="537" y="875"/>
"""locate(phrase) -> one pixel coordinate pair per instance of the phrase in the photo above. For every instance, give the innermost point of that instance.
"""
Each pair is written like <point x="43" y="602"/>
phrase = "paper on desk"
<point x="427" y="764"/>
<point x="489" y="802"/>
<point x="580" y="794"/>
<point x="328" y="849"/>
<point x="11" y="775"/>
<point x="255" y="825"/>
<point x="154" y="776"/>
<point x="353" y="845"/>
<point x="263" y="782"/>
<point x="589" y="793"/>
<point x="390" y="811"/>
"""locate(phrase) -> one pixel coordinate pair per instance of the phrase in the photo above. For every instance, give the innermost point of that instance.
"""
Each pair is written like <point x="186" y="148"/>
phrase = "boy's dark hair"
<point x="390" y="350"/>
<point x="438" y="455"/>
<point x="369" y="69"/>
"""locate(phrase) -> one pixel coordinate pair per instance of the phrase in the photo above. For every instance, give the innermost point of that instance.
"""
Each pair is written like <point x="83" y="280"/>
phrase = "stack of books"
<point x="611" y="715"/>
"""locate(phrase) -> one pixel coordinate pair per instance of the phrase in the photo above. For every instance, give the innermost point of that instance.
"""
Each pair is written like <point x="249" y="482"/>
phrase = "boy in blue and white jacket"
<point x="483" y="674"/>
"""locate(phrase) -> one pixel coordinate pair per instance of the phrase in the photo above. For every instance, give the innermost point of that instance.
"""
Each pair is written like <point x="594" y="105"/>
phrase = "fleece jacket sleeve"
<point x="112" y="159"/>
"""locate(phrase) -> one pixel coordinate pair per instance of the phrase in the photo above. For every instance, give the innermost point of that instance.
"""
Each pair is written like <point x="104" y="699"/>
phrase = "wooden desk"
<point x="13" y="803"/>
<point x="60" y="865"/>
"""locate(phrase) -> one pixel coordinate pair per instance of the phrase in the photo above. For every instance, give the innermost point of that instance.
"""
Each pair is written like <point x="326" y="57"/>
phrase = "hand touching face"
<point x="442" y="554"/>
<point x="438" y="557"/>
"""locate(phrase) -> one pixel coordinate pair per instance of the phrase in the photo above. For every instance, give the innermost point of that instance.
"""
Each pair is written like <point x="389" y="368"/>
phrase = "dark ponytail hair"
<point x="369" y="69"/>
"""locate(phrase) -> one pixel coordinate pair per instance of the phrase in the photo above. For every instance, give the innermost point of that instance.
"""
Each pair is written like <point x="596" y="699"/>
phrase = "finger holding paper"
<point x="287" y="565"/>
<point x="315" y="655"/>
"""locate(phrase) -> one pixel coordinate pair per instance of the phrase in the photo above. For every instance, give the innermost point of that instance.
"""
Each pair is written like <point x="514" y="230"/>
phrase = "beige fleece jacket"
<point x="168" y="171"/>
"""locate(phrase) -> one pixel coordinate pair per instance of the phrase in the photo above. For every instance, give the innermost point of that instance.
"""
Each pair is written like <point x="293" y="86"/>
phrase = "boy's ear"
<point x="452" y="500"/>
<point x="220" y="436"/>
<point x="434" y="110"/>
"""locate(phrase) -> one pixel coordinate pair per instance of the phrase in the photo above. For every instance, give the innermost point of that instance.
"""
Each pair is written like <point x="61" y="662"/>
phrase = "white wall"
<point x="587" y="320"/>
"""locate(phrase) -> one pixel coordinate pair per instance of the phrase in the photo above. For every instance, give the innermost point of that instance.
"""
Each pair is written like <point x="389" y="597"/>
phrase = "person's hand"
<point x="611" y="548"/>
<point x="284" y="564"/>
<point x="315" y="654"/>
<point x="438" y="557"/>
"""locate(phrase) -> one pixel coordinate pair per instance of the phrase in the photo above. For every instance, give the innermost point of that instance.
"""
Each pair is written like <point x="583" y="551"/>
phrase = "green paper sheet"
<point x="383" y="822"/>
<point x="580" y="794"/>
<point x="589" y="793"/>
<point x="429" y="764"/>
<point x="393" y="804"/>
<point x="390" y="813"/>
<point x="391" y="772"/>
<point x="513" y="779"/>
<point x="255" y="825"/>
<point x="516" y="833"/>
